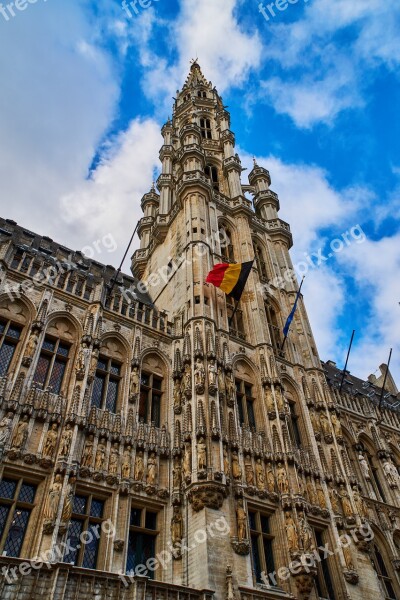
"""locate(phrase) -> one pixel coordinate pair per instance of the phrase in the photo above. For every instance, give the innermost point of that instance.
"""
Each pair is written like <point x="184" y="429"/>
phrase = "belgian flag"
<point x="230" y="278"/>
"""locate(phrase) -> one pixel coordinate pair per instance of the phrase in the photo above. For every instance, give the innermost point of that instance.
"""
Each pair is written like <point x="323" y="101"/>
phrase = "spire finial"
<point x="255" y="161"/>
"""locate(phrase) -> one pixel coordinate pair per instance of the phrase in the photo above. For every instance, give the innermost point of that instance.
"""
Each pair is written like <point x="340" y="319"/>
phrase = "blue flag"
<point x="290" y="317"/>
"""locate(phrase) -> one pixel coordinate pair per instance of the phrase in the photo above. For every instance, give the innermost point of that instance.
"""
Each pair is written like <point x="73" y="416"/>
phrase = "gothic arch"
<point x="261" y="257"/>
<point x="247" y="374"/>
<point x="296" y="425"/>
<point x="383" y="556"/>
<point x="228" y="251"/>
<point x="6" y="307"/>
<point x="154" y="388"/>
<point x="64" y="316"/>
<point x="120" y="339"/>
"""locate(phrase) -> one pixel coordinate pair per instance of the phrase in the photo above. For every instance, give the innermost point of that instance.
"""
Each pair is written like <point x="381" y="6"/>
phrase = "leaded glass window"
<point x="52" y="364"/>
<point x="142" y="539"/>
<point x="245" y="403"/>
<point x="106" y="384"/>
<point x="150" y="398"/>
<point x="261" y="546"/>
<point x="84" y="532"/>
<point x="9" y="338"/>
<point x="16" y="503"/>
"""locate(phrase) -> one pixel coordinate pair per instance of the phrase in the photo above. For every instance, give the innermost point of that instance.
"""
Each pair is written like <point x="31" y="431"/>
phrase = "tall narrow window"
<point x="323" y="580"/>
<point x="52" y="364"/>
<point x="294" y="425"/>
<point x="205" y="126"/>
<point x="142" y="539"/>
<point x="245" y="403"/>
<point x="225" y="239"/>
<point x="274" y="329"/>
<point x="261" y="545"/>
<point x="260" y="261"/>
<point x="212" y="174"/>
<point x="235" y="318"/>
<point x="85" y="524"/>
<point x="9" y="338"/>
<point x="106" y="384"/>
<point x="150" y="398"/>
<point x="16" y="503"/>
<point x="383" y="575"/>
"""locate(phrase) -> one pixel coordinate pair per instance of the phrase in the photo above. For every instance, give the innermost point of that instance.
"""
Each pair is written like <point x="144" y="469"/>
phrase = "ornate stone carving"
<point x="236" y="469"/>
<point x="212" y="377"/>
<point x="139" y="466"/>
<point x="151" y="477"/>
<point x="5" y="428"/>
<point x="99" y="463"/>
<point x="50" y="442"/>
<point x="282" y="479"/>
<point x="201" y="454"/>
<point x="20" y="433"/>
<point x="199" y="376"/>
<point x="207" y="494"/>
<point x="177" y="530"/>
<point x="53" y="500"/>
<point x="134" y="384"/>
<point x="291" y="533"/>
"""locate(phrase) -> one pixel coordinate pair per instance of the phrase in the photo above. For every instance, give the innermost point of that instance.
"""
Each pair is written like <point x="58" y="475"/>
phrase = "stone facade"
<point x="183" y="432"/>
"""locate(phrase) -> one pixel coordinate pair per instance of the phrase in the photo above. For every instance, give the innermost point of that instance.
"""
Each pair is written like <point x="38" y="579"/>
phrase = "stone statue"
<point x="311" y="493"/>
<point x="279" y="399"/>
<point x="176" y="527"/>
<point x="260" y="474"/>
<point x="201" y="454"/>
<point x="139" y="466"/>
<point x="236" y="470"/>
<point x="227" y="469"/>
<point x="282" y="479"/>
<point x="248" y="470"/>
<point x="212" y="374"/>
<point x="134" y="382"/>
<point x="391" y="473"/>
<point x="291" y="533"/>
<point x="348" y="559"/>
<point x="100" y="455"/>
<point x="93" y="362"/>
<point x="199" y="374"/>
<point x="87" y="456"/>
<point x="320" y="495"/>
<point x="66" y="439"/>
<point x="32" y="344"/>
<point x="68" y="502"/>
<point x="151" y="477"/>
<point x="114" y="459"/>
<point x="334" y="498"/>
<point x="221" y="381"/>
<point x="81" y="360"/>
<point x="50" y="441"/>
<point x="241" y="521"/>
<point x="315" y="422"/>
<point x="20" y="433"/>
<point x="5" y="428"/>
<point x="53" y="500"/>
<point x="270" y="480"/>
<point x="269" y="401"/>
<point x="337" y="428"/>
<point x="323" y="419"/>
<point x="177" y="473"/>
<point x="187" y="460"/>
<point x="306" y="533"/>
<point x="345" y="501"/>
<point x="177" y="396"/>
<point x="364" y="466"/>
<point x="126" y="463"/>
<point x="230" y="388"/>
<point x="187" y="379"/>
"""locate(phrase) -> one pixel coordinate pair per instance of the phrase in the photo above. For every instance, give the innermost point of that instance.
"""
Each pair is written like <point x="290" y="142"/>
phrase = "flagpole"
<point x="298" y="295"/>
<point x="384" y="381"/>
<point x="347" y="360"/>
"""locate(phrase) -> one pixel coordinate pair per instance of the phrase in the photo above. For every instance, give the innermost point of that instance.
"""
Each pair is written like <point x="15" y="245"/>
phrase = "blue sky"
<point x="313" y="94"/>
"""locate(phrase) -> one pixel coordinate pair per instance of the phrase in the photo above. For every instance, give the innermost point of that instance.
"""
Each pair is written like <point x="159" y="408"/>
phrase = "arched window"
<point x="152" y="386"/>
<point x="225" y="238"/>
<point x="293" y="423"/>
<point x="201" y="94"/>
<point x="10" y="334"/>
<point x="212" y="173"/>
<point x="107" y="383"/>
<point x="323" y="582"/>
<point x="235" y="318"/>
<point x="374" y="470"/>
<point x="260" y="261"/>
<point x="274" y="330"/>
<point x="245" y="403"/>
<point x="52" y="364"/>
<point x="205" y="126"/>
<point x="383" y="573"/>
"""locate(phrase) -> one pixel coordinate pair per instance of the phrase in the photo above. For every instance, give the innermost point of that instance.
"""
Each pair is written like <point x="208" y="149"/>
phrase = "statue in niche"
<point x="364" y="466"/>
<point x="345" y="501"/>
<point x="134" y="382"/>
<point x="5" y="428"/>
<point x="87" y="456"/>
<point x="69" y="499"/>
<point x="187" y="460"/>
<point x="32" y="344"/>
<point x="93" y="363"/>
<point x="53" y="500"/>
<point x="50" y="441"/>
<point x="212" y="374"/>
<point x="348" y="559"/>
<point x="279" y="399"/>
<point x="20" y="434"/>
<point x="320" y="495"/>
<point x="270" y="480"/>
<point x="177" y="473"/>
<point x="315" y="421"/>
<point x="201" y="454"/>
<point x="282" y="479"/>
<point x="177" y="397"/>
<point x="82" y="356"/>
<point x="114" y="459"/>
<point x="311" y="493"/>
<point x="241" y="521"/>
<point x="325" y="427"/>
<point x="269" y="401"/>
<point x="139" y="466"/>
<point x="151" y="469"/>
<point x="291" y="533"/>
<point x="334" y="498"/>
<point x="187" y="380"/>
<point x="227" y="469"/>
<point x="126" y="463"/>
<point x="337" y="428"/>
<point x="230" y="389"/>
<point x="360" y="504"/>
<point x="176" y="527"/>
<point x="221" y="381"/>
<point x="236" y="469"/>
<point x="260" y="474"/>
<point x="66" y="439"/>
<point x="248" y="470"/>
<point x="199" y="375"/>
<point x="306" y="533"/>
<point x="100" y="455"/>
<point x="391" y="473"/>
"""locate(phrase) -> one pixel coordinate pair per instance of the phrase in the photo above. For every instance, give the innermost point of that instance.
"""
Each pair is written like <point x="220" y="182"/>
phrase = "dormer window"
<point x="205" y="126"/>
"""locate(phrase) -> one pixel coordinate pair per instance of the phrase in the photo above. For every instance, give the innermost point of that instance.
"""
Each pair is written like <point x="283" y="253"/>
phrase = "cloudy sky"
<point x="313" y="93"/>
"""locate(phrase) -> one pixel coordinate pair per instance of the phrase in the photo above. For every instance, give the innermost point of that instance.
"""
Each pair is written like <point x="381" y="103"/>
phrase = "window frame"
<point x="14" y="505"/>
<point x="324" y="581"/>
<point x="54" y="357"/>
<point x="87" y="521"/>
<point x="142" y="530"/>
<point x="150" y="390"/>
<point x="107" y="376"/>
<point x="244" y="399"/>
<point x="266" y="566"/>
<point x="10" y="340"/>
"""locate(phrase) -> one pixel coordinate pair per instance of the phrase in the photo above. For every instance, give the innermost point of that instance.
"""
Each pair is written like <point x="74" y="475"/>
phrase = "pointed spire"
<point x="177" y="436"/>
<point x="188" y="422"/>
<point x="177" y="364"/>
<point x="198" y="344"/>
<point x="187" y="349"/>
<point x="129" y="429"/>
